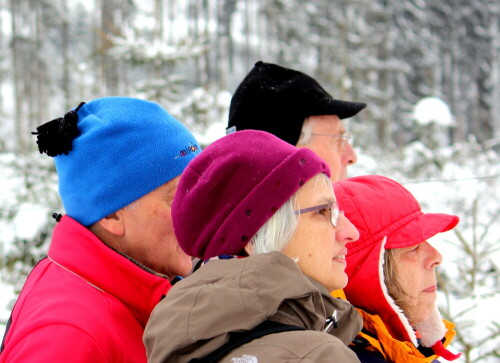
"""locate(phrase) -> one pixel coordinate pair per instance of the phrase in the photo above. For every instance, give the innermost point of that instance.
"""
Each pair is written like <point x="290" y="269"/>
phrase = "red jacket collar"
<point x="79" y="251"/>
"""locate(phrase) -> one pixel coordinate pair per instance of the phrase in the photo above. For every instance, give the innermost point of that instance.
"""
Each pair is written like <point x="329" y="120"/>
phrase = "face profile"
<point x="318" y="246"/>
<point x="149" y="219"/>
<point x="415" y="267"/>
<point x="329" y="140"/>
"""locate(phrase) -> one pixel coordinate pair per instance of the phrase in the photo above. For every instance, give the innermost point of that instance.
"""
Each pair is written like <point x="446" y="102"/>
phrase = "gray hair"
<point x="395" y="286"/>
<point x="306" y="132"/>
<point x="278" y="230"/>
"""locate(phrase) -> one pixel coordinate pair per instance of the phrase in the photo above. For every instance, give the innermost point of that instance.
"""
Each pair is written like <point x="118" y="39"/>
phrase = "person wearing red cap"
<point x="294" y="107"/>
<point x="250" y="191"/>
<point x="392" y="272"/>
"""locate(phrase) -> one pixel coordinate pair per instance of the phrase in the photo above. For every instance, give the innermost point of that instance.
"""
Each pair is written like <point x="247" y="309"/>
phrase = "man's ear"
<point x="114" y="223"/>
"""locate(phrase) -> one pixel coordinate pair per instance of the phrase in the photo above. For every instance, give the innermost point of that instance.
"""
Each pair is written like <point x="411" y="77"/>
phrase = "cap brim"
<point x="421" y="229"/>
<point x="343" y="109"/>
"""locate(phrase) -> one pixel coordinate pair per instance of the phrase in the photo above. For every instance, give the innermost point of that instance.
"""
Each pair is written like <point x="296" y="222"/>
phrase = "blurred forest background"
<point x="189" y="56"/>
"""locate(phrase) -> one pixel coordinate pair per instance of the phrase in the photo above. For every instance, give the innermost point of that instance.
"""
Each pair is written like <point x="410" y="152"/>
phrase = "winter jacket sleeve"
<point x="53" y="343"/>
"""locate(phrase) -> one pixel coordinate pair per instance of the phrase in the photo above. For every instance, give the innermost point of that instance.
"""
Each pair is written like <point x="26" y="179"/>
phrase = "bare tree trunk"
<point x="108" y="64"/>
<point x="206" y="31"/>
<point x="248" y="29"/>
<point x="66" y="81"/>
<point x="16" y="58"/>
<point x="2" y="72"/>
<point x="383" y="123"/>
<point x="158" y="15"/>
<point x="219" y="43"/>
<point x="495" y="74"/>
<point x="41" y="79"/>
<point x="194" y="33"/>
<point x="459" y="106"/>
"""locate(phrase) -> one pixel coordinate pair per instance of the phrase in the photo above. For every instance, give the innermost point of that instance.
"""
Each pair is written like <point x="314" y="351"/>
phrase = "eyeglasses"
<point x="344" y="139"/>
<point x="332" y="208"/>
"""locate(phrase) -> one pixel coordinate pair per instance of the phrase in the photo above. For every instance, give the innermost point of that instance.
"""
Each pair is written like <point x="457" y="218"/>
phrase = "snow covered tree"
<point x="470" y="282"/>
<point x="25" y="222"/>
<point x="153" y="60"/>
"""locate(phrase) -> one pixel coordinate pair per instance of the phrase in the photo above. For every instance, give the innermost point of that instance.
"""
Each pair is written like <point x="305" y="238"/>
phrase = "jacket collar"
<point x="347" y="321"/>
<point x="239" y="294"/>
<point x="392" y="349"/>
<point x="79" y="251"/>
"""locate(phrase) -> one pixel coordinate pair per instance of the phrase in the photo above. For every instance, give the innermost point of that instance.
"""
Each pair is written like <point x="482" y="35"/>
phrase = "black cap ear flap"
<point x="56" y="137"/>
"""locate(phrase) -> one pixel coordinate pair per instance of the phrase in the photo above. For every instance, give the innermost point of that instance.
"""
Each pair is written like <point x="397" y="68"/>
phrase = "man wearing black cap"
<point x="294" y="107"/>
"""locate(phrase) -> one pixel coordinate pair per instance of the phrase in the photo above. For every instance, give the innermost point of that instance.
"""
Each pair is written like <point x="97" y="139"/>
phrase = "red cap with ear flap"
<point x="383" y="211"/>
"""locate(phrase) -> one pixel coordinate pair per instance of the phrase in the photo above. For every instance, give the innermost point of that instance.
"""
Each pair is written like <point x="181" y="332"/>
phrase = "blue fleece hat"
<point x="125" y="149"/>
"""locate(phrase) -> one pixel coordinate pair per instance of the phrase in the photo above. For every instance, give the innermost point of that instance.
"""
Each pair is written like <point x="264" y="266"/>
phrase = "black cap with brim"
<point x="277" y="100"/>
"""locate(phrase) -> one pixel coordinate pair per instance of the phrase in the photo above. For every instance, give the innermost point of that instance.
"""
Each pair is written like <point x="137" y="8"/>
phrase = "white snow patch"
<point x="214" y="132"/>
<point x="29" y="220"/>
<point x="432" y="109"/>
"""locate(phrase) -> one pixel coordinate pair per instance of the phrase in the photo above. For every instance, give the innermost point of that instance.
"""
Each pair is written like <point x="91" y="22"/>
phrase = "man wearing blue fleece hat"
<point x="112" y="255"/>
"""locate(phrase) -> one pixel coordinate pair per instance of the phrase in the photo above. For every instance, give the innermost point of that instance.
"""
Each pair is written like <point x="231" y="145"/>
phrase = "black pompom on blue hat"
<point x="112" y="151"/>
<point x="277" y="100"/>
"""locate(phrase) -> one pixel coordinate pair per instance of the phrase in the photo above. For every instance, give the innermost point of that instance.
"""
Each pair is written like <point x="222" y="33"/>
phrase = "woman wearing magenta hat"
<point x="392" y="272"/>
<point x="250" y="191"/>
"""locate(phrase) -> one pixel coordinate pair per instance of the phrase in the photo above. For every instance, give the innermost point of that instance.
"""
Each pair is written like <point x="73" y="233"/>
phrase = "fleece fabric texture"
<point x="126" y="148"/>
<point x="233" y="295"/>
<point x="236" y="184"/>
<point x="83" y="303"/>
<point x="277" y="100"/>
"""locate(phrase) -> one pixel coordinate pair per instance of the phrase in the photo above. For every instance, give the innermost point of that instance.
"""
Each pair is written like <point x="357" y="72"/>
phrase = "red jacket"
<point x="83" y="303"/>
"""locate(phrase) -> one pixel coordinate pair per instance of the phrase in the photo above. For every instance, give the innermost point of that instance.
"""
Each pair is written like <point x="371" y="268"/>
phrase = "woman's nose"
<point x="433" y="255"/>
<point x="346" y="231"/>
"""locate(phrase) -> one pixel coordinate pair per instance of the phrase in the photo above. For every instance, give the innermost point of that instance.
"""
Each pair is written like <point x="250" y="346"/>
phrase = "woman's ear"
<point x="249" y="249"/>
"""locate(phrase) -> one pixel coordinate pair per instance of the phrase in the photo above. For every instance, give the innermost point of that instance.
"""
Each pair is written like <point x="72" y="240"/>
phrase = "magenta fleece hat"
<point x="233" y="187"/>
<point x="379" y="207"/>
